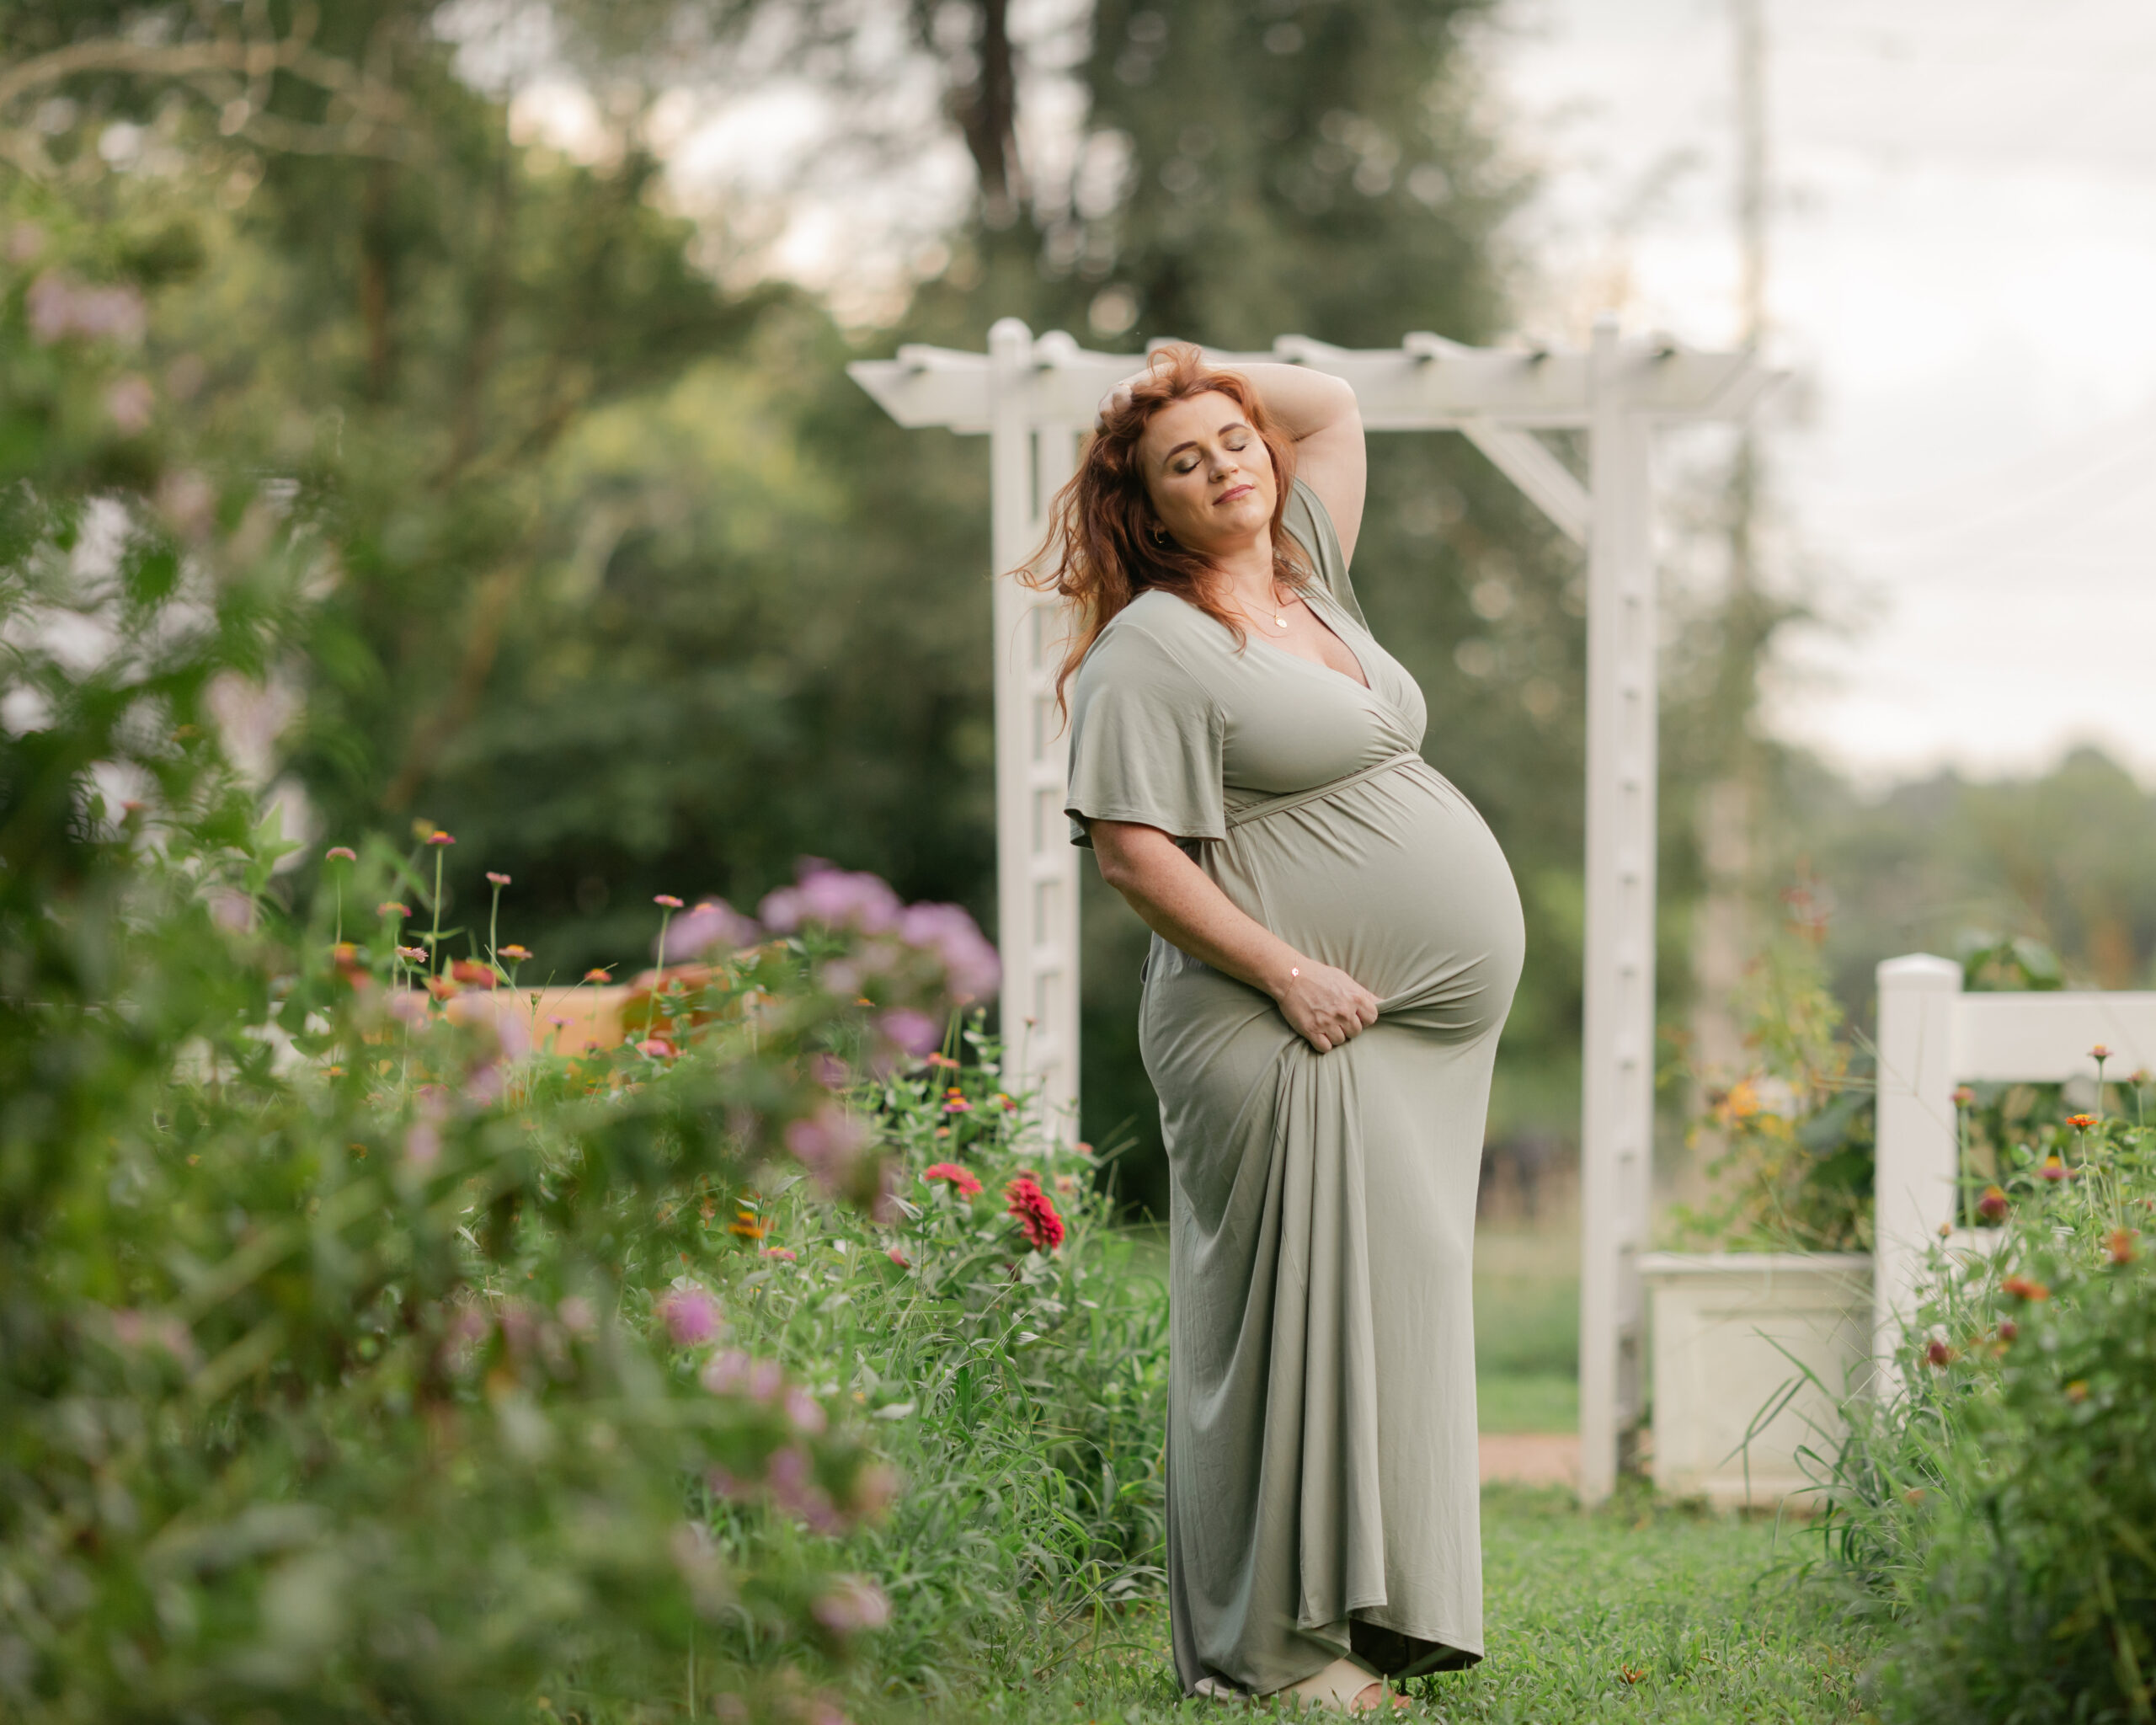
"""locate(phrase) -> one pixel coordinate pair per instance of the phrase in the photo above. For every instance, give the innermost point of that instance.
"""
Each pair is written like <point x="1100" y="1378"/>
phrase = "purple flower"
<point x="916" y="1033"/>
<point x="712" y="923"/>
<point x="835" y="897"/>
<point x="692" y="1316"/>
<point x="827" y="1143"/>
<point x="971" y="969"/>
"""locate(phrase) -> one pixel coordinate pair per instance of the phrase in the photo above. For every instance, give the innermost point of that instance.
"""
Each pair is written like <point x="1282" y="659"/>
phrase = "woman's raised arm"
<point x="1319" y="415"/>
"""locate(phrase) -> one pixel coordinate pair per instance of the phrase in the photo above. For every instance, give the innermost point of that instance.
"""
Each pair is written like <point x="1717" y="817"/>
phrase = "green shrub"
<point x="2002" y="1509"/>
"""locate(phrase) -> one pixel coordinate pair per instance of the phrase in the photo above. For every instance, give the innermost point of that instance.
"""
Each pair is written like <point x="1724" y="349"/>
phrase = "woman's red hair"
<point x="1101" y="554"/>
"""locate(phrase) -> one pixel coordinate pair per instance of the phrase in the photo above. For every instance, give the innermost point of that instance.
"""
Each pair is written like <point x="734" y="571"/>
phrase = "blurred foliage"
<point x="1792" y="1139"/>
<point x="2033" y="882"/>
<point x="1997" y="1514"/>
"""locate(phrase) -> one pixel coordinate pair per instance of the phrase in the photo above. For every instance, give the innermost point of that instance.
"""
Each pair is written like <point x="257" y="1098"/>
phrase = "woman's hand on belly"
<point x="1184" y="905"/>
<point x="1325" y="1006"/>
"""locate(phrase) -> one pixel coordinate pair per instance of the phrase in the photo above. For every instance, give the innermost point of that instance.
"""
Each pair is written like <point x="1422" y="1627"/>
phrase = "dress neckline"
<point x="1363" y="683"/>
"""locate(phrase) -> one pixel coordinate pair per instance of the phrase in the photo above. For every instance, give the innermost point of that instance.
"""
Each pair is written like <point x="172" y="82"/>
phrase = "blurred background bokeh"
<point x="537" y="311"/>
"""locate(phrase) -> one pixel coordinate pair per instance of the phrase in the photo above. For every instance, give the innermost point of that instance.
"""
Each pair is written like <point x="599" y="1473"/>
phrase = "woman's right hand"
<point x="1325" y="1006"/>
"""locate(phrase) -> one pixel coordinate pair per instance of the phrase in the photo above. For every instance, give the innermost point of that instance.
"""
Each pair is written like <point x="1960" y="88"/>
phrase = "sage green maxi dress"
<point x="1322" y="1485"/>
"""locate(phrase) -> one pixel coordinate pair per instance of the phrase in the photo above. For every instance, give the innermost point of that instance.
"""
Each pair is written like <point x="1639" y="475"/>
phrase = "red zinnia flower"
<point x="596" y="975"/>
<point x="1992" y="1205"/>
<point x="1939" y="1354"/>
<point x="472" y="975"/>
<point x="440" y="837"/>
<point x="962" y="1180"/>
<point x="2081" y="1122"/>
<point x="1036" y="1213"/>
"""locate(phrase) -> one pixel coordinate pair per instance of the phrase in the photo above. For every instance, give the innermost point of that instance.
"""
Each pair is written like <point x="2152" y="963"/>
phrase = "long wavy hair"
<point x="1106" y="545"/>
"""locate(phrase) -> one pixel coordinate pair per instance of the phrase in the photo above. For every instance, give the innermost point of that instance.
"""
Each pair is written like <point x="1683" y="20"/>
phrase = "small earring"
<point x="1160" y="537"/>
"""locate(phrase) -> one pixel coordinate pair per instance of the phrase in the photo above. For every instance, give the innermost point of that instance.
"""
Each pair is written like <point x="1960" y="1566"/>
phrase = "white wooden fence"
<point x="1931" y="1038"/>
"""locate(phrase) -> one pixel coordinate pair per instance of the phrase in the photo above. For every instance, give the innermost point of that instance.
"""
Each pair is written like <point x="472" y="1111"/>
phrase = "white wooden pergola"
<point x="1037" y="397"/>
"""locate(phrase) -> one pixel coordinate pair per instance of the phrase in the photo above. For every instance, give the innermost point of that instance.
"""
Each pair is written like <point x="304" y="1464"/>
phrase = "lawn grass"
<point x="1636" y="1611"/>
<point x="1527" y="1327"/>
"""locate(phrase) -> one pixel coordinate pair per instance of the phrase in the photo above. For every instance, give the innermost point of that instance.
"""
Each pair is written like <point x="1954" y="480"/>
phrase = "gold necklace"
<point x="1279" y="621"/>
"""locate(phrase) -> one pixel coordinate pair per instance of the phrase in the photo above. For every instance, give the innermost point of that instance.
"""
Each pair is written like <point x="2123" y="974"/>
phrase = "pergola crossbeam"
<point x="1037" y="397"/>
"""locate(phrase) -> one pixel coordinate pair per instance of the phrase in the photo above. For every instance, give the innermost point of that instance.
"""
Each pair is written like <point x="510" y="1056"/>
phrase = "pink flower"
<point x="515" y="954"/>
<point x="712" y="923"/>
<point x="389" y="907"/>
<point x="916" y="1033"/>
<point x="692" y="1316"/>
<point x="2054" y="1170"/>
<point x="831" y="1071"/>
<point x="779" y="1251"/>
<point x="725" y="1373"/>
<point x="658" y="1048"/>
<point x="666" y="899"/>
<point x="954" y="1103"/>
<point x="472" y="974"/>
<point x="1036" y="1213"/>
<point x="498" y="879"/>
<point x="423" y="1145"/>
<point x="342" y="853"/>
<point x="853" y="1602"/>
<point x="597" y="974"/>
<point x="1992" y="1205"/>
<point x="805" y="1412"/>
<point x="438" y="838"/>
<point x="962" y="1180"/>
<point x="132" y="405"/>
<point x="576" y="1314"/>
<point x="412" y="955"/>
<point x="59" y="305"/>
<point x="899" y="1258"/>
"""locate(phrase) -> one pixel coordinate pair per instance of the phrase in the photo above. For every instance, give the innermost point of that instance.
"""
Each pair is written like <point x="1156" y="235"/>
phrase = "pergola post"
<point x="1036" y="397"/>
<point x="1617" y="1062"/>
<point x="1036" y="865"/>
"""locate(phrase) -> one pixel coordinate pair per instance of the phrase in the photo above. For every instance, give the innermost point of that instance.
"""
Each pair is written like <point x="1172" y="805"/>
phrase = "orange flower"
<point x="1963" y="1096"/>
<point x="2081" y="1122"/>
<point x="597" y="974"/>
<point x="2078" y="1390"/>
<point x="748" y="1224"/>
<point x="2025" y="1288"/>
<point x="438" y="838"/>
<point x="473" y="975"/>
<point x="2121" y="1245"/>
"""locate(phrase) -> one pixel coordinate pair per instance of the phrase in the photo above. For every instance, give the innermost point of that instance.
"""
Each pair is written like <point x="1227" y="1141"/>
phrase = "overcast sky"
<point x="1964" y="272"/>
<point x="1963" y="275"/>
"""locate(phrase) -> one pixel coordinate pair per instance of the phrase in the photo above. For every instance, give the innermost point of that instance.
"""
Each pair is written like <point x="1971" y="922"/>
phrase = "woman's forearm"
<point x="1181" y="903"/>
<point x="1304" y="402"/>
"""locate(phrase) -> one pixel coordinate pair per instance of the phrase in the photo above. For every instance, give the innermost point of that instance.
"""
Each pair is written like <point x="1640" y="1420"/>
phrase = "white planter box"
<point x="1727" y="1328"/>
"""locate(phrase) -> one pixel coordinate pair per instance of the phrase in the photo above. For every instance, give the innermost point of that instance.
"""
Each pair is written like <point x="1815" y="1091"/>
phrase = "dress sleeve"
<point x="1145" y="742"/>
<point x="1308" y="520"/>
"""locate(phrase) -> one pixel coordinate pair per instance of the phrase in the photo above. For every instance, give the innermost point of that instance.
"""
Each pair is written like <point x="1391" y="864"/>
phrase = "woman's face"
<point x="1208" y="474"/>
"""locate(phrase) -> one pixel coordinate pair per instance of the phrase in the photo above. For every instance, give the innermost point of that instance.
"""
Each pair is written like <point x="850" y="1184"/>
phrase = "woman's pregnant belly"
<point x="1396" y="880"/>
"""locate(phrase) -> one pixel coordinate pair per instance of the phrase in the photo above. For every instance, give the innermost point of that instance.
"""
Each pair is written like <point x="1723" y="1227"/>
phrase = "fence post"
<point x="1918" y="1155"/>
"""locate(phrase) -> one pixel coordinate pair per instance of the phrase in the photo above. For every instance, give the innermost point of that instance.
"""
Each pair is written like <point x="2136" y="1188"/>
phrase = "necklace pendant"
<point x="1279" y="622"/>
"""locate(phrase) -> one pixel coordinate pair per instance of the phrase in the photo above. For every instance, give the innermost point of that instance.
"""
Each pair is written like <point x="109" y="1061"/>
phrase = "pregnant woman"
<point x="1337" y="938"/>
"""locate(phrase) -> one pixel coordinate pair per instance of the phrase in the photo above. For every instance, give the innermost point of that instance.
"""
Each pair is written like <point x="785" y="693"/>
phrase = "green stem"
<point x="434" y="937"/>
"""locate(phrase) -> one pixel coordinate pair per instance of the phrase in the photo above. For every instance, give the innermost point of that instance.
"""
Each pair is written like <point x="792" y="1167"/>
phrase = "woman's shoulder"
<point x="1151" y="639"/>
